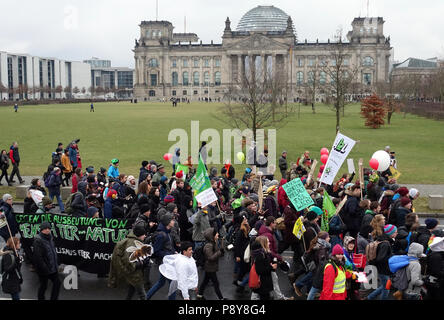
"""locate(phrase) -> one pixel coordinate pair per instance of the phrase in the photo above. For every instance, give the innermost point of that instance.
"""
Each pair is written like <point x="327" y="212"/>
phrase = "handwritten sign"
<point x="206" y="197"/>
<point x="297" y="194"/>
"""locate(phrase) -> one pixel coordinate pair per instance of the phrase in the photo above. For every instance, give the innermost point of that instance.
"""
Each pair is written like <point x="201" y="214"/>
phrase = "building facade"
<point x="23" y="76"/>
<point x="169" y="64"/>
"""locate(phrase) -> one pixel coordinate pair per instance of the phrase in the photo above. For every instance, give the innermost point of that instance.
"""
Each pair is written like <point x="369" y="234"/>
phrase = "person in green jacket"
<point x="128" y="260"/>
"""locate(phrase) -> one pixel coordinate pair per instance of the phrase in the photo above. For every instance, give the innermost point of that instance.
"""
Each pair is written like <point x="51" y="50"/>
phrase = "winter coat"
<point x="163" y="243"/>
<point x="10" y="218"/>
<point x="241" y="243"/>
<point x="290" y="218"/>
<point x="262" y="262"/>
<point x="45" y="255"/>
<point x="422" y="237"/>
<point x="78" y="204"/>
<point x="54" y="183"/>
<point x="362" y="244"/>
<point x="211" y="251"/>
<point x="265" y="231"/>
<point x="121" y="267"/>
<point x="73" y="156"/>
<point x="66" y="163"/>
<point x="320" y="255"/>
<point x="75" y="182"/>
<point x="113" y="172"/>
<point x="157" y="176"/>
<point x="4" y="162"/>
<point x="383" y="254"/>
<point x="201" y="224"/>
<point x="143" y="174"/>
<point x="435" y="264"/>
<point x="401" y="244"/>
<point x="14" y="155"/>
<point x="414" y="269"/>
<point x="330" y="275"/>
<point x="351" y="214"/>
<point x="283" y="200"/>
<point x="368" y="217"/>
<point x="401" y="213"/>
<point x="312" y="230"/>
<point x="108" y="208"/>
<point x="270" y="207"/>
<point x="11" y="275"/>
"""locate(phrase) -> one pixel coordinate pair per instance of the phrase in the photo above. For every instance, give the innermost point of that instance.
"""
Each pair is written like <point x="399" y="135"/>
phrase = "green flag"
<point x="182" y="167"/>
<point x="329" y="210"/>
<point x="200" y="182"/>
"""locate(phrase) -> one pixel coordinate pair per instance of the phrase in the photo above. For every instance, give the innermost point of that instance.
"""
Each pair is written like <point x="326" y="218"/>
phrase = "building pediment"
<point x="256" y="42"/>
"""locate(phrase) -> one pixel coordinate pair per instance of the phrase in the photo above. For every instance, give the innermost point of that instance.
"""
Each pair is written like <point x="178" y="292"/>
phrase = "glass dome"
<point x="263" y="18"/>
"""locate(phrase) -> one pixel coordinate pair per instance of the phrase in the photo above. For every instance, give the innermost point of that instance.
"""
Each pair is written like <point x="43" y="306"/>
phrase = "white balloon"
<point x="383" y="159"/>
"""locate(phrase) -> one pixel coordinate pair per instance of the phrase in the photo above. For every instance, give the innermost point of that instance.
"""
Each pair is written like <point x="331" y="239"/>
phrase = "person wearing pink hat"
<point x="335" y="276"/>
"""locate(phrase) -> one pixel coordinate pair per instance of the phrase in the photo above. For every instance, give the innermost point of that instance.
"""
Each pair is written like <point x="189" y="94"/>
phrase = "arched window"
<point x="322" y="78"/>
<point x="175" y="79"/>
<point x="311" y="77"/>
<point x="300" y="77"/>
<point x="186" y="80"/>
<point x="196" y="78"/>
<point x="217" y="78"/>
<point x="206" y="78"/>
<point x="153" y="63"/>
<point x="368" y="62"/>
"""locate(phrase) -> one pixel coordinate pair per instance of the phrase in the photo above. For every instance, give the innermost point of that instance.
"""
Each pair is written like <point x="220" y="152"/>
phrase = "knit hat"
<point x="138" y="230"/>
<point x="337" y="249"/>
<point x="254" y="197"/>
<point x="390" y="229"/>
<point x="166" y="219"/>
<point x="6" y="196"/>
<point x="46" y="201"/>
<point x="45" y="225"/>
<point x="168" y="199"/>
<point x="316" y="210"/>
<point x="131" y="178"/>
<point x="311" y="215"/>
<point x="163" y="179"/>
<point x="403" y="191"/>
<point x="413" y="192"/>
<point x="91" y="212"/>
<point x="431" y="223"/>
<point x="405" y="201"/>
<point x="144" y="208"/>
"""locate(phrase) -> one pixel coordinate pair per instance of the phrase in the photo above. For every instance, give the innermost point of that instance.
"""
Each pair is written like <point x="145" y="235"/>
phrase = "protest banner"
<point x="297" y="194"/>
<point x="351" y="166"/>
<point x="299" y="229"/>
<point x="329" y="210"/>
<point x="395" y="173"/>
<point x="206" y="197"/>
<point x="86" y="243"/>
<point x="201" y="184"/>
<point x="339" y="152"/>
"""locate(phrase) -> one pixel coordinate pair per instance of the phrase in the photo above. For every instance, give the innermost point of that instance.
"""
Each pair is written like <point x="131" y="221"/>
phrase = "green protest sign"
<point x="297" y="194"/>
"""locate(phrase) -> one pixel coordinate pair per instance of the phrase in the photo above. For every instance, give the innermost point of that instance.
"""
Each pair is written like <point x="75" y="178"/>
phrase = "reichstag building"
<point x="176" y="65"/>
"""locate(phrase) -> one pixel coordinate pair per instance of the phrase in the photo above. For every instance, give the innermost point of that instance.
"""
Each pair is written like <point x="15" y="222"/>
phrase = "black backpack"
<point x="199" y="256"/>
<point x="395" y="205"/>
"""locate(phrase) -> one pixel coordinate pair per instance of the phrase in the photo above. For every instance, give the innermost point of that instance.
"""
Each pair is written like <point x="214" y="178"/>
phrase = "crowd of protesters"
<point x="252" y="220"/>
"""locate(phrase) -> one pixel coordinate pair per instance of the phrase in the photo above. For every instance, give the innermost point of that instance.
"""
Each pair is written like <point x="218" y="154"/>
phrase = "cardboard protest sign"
<point x="297" y="194"/>
<point x="206" y="197"/>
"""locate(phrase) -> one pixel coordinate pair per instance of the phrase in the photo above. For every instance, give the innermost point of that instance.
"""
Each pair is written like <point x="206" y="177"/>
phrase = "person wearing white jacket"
<point x="182" y="270"/>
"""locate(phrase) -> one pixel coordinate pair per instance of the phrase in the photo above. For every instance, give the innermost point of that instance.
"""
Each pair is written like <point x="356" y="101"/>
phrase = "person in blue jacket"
<point x="113" y="171"/>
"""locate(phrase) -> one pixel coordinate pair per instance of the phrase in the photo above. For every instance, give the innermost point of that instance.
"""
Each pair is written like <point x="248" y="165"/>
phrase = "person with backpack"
<point x="406" y="234"/>
<point x="67" y="166"/>
<point x="335" y="276"/>
<point x="212" y="252"/>
<point x="414" y="275"/>
<point x="163" y="245"/>
<point x="201" y="223"/>
<point x="53" y="183"/>
<point x="125" y="266"/>
<point x="263" y="263"/>
<point x="378" y="254"/>
<point x="12" y="278"/>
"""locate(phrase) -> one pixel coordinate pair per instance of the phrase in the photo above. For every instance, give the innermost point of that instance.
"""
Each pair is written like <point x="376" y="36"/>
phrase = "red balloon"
<point x="324" y="159"/>
<point x="325" y="151"/>
<point x="374" y="164"/>
<point x="167" y="156"/>
<point x="179" y="175"/>
<point x="321" y="169"/>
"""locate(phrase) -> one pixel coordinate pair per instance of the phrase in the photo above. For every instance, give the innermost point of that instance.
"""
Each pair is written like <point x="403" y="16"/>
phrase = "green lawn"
<point x="136" y="132"/>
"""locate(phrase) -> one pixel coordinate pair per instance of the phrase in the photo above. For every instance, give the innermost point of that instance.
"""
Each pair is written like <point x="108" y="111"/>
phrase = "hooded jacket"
<point x="211" y="251"/>
<point x="163" y="243"/>
<point x="262" y="262"/>
<point x="201" y="224"/>
<point x="44" y="255"/>
<point x="79" y="204"/>
<point x="265" y="231"/>
<point x="414" y="269"/>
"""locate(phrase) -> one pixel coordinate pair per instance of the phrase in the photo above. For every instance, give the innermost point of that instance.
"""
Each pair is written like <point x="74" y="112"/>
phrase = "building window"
<point x="153" y="78"/>
<point x="184" y="92"/>
<point x="153" y="63"/>
<point x="196" y="63"/>
<point x="322" y="78"/>
<point x="174" y="63"/>
<point x="173" y="93"/>
<point x="311" y="62"/>
<point x="206" y="92"/>
<point x="217" y="78"/>
<point x="185" y="79"/>
<point x="367" y="79"/>
<point x="185" y="63"/>
<point x="346" y="62"/>
<point x="300" y="62"/>
<point x="323" y="62"/>
<point x="368" y="62"/>
<point x="217" y="62"/>
<point x="311" y="77"/>
<point x="195" y="92"/>
<point x="175" y="78"/>
<point x="333" y="62"/>
<point x="152" y="93"/>
<point x="207" y="78"/>
<point x="300" y="78"/>
<point x="196" y="78"/>
<point x="206" y="63"/>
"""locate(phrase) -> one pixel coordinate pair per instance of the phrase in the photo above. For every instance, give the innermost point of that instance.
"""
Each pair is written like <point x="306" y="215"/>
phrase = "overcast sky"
<point x="80" y="29"/>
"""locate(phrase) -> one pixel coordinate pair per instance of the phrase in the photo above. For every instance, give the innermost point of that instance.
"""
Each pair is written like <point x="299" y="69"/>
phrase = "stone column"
<point x="274" y="66"/>
<point x="239" y="68"/>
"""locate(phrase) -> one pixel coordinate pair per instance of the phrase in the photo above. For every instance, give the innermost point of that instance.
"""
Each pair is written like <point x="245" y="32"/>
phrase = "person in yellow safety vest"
<point x="335" y="276"/>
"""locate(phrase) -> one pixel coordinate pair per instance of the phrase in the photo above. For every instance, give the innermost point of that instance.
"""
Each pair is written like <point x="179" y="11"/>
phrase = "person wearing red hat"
<point x="335" y="276"/>
<point x="404" y="208"/>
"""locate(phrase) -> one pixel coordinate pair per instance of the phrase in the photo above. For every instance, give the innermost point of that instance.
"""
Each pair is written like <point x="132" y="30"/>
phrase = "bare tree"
<point x="342" y="75"/>
<point x="258" y="100"/>
<point x="67" y="90"/>
<point x="3" y="89"/>
<point x="313" y="84"/>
